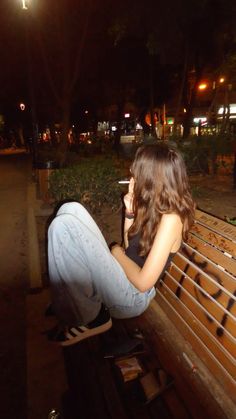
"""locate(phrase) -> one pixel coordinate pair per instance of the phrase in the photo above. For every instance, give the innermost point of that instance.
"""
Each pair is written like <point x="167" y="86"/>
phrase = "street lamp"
<point x="24" y="5"/>
<point x="202" y="86"/>
<point x="22" y="106"/>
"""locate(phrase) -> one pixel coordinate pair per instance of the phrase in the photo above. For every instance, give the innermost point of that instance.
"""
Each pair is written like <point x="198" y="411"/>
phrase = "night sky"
<point x="73" y="55"/>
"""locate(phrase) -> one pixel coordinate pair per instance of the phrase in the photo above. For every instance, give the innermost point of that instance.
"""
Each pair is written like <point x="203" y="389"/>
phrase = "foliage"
<point x="93" y="182"/>
<point x="201" y="152"/>
<point x="220" y="144"/>
<point x="196" y="191"/>
<point x="231" y="220"/>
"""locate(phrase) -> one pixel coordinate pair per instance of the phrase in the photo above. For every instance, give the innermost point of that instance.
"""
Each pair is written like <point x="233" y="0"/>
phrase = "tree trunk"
<point x="192" y="100"/>
<point x="65" y="127"/>
<point x="226" y="113"/>
<point x="151" y="92"/>
<point x="120" y="112"/>
<point x="181" y="90"/>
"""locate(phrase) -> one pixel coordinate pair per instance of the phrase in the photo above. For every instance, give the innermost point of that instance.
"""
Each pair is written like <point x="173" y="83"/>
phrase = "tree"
<point x="205" y="47"/>
<point x="61" y="34"/>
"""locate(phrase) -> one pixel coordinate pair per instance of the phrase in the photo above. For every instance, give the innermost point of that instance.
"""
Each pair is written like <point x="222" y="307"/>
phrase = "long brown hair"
<point x="161" y="187"/>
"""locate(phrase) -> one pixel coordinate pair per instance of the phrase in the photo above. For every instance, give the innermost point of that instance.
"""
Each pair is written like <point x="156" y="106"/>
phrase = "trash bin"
<point x="44" y="171"/>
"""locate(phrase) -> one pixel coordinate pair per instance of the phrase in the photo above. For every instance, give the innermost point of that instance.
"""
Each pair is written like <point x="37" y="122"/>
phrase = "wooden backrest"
<point x="198" y="293"/>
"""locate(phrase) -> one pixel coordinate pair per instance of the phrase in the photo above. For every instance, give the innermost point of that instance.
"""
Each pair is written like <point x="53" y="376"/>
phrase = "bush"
<point x="200" y="153"/>
<point x="93" y="182"/>
<point x="195" y="154"/>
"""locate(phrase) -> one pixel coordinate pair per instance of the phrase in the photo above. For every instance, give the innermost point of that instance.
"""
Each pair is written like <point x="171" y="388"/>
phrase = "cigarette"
<point x="123" y="182"/>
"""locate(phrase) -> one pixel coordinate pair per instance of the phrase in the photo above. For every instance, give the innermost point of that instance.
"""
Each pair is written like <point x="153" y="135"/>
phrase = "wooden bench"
<point x="194" y="315"/>
<point x="190" y="326"/>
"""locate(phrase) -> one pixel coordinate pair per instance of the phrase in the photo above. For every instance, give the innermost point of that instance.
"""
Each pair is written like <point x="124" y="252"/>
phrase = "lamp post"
<point x="34" y="125"/>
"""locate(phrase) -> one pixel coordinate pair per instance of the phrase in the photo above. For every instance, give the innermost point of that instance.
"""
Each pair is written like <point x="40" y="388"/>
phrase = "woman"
<point x="89" y="283"/>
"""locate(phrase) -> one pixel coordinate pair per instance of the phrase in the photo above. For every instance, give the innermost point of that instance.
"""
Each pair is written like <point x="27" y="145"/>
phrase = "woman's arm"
<point x="129" y="217"/>
<point x="167" y="240"/>
<point x="127" y="224"/>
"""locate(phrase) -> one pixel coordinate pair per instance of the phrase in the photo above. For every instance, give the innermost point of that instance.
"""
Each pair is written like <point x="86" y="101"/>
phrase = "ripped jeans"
<point x="83" y="273"/>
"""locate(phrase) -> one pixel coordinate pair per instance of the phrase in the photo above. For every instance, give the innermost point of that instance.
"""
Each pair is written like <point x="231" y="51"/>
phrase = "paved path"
<point x="27" y="360"/>
<point x="15" y="172"/>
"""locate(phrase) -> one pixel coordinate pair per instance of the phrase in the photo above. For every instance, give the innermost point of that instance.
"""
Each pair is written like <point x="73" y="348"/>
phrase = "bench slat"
<point x="217" y="225"/>
<point x="210" y="317"/>
<point x="202" y="334"/>
<point x="212" y="253"/>
<point x="211" y="314"/>
<point x="202" y="271"/>
<point x="214" y="239"/>
<point x="173" y="339"/>
<point x="200" y="286"/>
<point x="224" y="378"/>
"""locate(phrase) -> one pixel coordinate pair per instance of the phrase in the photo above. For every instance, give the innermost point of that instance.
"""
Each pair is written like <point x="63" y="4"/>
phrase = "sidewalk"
<point x="12" y="150"/>
<point x="46" y="380"/>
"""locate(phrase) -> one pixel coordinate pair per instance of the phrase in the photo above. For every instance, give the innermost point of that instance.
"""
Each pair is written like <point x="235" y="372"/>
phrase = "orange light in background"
<point x="22" y="106"/>
<point x="221" y="80"/>
<point x="202" y="86"/>
<point x="148" y="118"/>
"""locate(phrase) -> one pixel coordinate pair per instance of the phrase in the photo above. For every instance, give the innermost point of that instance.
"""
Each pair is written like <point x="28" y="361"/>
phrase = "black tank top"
<point x="132" y="253"/>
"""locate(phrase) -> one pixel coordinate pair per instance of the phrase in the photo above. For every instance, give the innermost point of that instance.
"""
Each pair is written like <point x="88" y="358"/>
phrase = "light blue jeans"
<point x="83" y="273"/>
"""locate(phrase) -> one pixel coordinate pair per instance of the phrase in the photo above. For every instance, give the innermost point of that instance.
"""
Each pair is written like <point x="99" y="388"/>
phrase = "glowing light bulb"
<point x="202" y="86"/>
<point x="24" y="5"/>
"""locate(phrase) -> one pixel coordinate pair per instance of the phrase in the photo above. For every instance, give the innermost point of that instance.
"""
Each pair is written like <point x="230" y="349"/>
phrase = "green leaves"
<point x="204" y="151"/>
<point x="231" y="220"/>
<point x="93" y="182"/>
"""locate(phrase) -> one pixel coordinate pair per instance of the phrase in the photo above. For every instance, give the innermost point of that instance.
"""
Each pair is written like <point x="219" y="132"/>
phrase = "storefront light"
<point x="199" y="119"/>
<point x="232" y="109"/>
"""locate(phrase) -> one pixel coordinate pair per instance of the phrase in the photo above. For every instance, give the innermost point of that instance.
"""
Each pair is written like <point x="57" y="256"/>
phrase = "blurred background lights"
<point x="202" y="86"/>
<point x="199" y="119"/>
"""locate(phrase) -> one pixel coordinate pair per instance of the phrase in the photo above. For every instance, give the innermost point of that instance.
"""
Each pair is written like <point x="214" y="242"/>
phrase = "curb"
<point x="34" y="209"/>
<point x="35" y="276"/>
<point x="46" y="377"/>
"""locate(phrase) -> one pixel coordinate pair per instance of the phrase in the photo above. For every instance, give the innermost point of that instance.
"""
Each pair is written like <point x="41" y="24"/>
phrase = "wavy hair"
<point x="161" y="187"/>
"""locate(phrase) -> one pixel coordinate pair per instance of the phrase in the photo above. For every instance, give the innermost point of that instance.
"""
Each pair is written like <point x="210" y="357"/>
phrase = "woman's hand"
<point x="128" y="198"/>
